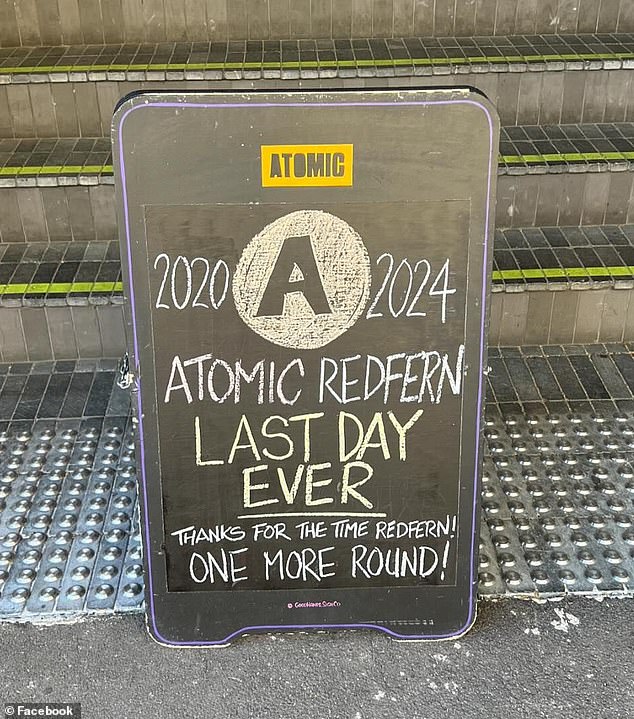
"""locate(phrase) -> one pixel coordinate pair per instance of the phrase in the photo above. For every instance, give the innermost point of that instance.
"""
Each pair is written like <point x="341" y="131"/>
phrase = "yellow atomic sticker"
<point x="306" y="165"/>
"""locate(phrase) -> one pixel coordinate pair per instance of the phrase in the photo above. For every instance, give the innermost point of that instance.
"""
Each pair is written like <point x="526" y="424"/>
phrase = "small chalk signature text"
<point x="324" y="604"/>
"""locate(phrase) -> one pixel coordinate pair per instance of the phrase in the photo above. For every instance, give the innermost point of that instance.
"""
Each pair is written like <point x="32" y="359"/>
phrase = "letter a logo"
<point x="295" y="270"/>
<point x="303" y="281"/>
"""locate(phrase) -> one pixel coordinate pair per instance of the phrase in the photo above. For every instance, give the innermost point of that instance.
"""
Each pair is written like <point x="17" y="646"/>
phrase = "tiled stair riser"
<point x="42" y="214"/>
<point x="61" y="333"/>
<point x="87" y="212"/>
<point x="565" y="199"/>
<point x="572" y="316"/>
<point x="159" y="20"/>
<point x="84" y="109"/>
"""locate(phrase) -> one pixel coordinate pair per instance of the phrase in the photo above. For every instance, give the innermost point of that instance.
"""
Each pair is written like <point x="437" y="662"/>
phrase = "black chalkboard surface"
<point x="306" y="277"/>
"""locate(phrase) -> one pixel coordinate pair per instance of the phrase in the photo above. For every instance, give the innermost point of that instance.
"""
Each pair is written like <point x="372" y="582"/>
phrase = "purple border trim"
<point x="146" y="526"/>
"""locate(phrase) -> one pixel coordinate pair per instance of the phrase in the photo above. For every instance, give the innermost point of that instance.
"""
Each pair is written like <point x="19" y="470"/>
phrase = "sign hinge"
<point x="125" y="378"/>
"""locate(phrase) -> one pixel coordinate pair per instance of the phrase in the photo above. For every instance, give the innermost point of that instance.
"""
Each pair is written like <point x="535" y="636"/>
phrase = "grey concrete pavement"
<point x="571" y="660"/>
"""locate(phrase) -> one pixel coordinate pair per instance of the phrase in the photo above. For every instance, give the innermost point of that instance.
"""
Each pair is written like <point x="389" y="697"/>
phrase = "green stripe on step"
<point x="58" y="288"/>
<point x="570" y="157"/>
<point x="566" y="157"/>
<point x="35" y="170"/>
<point x="572" y="273"/>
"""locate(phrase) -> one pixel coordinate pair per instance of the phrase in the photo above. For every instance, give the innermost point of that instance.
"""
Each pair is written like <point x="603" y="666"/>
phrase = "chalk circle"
<point x="344" y="267"/>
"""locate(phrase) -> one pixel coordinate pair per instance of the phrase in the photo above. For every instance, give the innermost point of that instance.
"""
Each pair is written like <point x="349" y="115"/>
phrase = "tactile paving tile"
<point x="69" y="530"/>
<point x="557" y="495"/>
<point x="558" y="512"/>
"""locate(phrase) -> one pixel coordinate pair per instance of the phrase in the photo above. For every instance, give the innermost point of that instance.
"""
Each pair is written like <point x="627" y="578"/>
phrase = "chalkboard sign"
<point x="306" y="278"/>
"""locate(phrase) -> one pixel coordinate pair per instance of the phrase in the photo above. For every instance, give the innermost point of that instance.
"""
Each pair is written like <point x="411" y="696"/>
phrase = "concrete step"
<point x="557" y="492"/>
<point x="101" y="21"/>
<point x="551" y="285"/>
<point x="56" y="189"/>
<point x="533" y="79"/>
<point x="61" y="300"/>
<point x="561" y="285"/>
